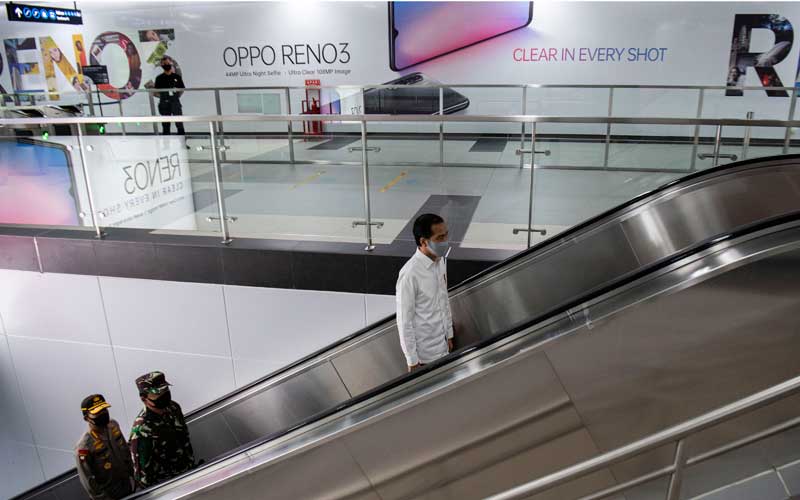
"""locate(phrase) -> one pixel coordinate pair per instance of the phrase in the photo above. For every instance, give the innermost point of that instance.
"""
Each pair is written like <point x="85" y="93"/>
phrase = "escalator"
<point x="674" y="303"/>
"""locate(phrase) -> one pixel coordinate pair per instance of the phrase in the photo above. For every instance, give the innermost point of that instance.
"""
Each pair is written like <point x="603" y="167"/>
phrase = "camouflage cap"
<point x="152" y="383"/>
<point x="94" y="404"/>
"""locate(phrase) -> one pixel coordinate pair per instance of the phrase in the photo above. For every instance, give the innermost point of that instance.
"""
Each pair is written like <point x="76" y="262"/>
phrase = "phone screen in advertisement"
<point x="36" y="184"/>
<point x="420" y="31"/>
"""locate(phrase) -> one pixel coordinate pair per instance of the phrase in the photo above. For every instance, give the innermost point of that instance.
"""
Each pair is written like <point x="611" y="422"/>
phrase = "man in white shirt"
<point x="424" y="319"/>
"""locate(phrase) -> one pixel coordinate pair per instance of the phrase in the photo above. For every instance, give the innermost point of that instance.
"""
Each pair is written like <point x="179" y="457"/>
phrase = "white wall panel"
<point x="196" y="379"/>
<point x="166" y="315"/>
<point x="248" y="370"/>
<point x="55" y="306"/>
<point x="55" y="377"/>
<point x="13" y="417"/>
<point x="379" y="307"/>
<point x="284" y="325"/>
<point x="56" y="462"/>
<point x="19" y="468"/>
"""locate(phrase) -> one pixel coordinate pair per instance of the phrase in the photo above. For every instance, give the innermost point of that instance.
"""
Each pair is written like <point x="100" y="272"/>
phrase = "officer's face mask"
<point x="101" y="419"/>
<point x="163" y="401"/>
<point x="166" y="67"/>
<point x="439" y="248"/>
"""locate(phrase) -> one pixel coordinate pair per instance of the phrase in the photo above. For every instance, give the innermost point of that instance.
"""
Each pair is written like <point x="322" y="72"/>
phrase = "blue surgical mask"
<point x="439" y="249"/>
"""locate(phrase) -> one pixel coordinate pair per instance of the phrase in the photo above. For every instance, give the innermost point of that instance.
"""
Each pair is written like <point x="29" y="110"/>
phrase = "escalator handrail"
<point x="566" y="234"/>
<point x="589" y="296"/>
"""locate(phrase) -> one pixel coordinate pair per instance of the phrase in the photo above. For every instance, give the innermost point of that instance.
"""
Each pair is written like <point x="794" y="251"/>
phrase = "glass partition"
<point x="41" y="176"/>
<point x="312" y="188"/>
<point x="151" y="182"/>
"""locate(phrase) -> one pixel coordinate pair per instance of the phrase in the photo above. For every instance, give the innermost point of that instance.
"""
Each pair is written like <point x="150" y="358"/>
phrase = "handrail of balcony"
<point x="728" y="122"/>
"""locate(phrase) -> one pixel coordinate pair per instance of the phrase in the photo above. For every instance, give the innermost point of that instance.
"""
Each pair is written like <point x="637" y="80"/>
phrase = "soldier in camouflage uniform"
<point x="102" y="455"/>
<point x="159" y="441"/>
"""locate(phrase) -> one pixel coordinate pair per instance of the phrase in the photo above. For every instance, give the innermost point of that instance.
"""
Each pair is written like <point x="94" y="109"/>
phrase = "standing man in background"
<point x="169" y="103"/>
<point x="160" y="445"/>
<point x="424" y="319"/>
<point x="102" y="455"/>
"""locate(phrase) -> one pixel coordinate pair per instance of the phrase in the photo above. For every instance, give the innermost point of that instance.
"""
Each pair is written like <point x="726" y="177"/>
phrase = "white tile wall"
<point x="20" y="468"/>
<point x="196" y="379"/>
<point x="13" y="417"/>
<point x="56" y="461"/>
<point x="284" y="325"/>
<point x="54" y="306"/>
<point x="379" y="306"/>
<point x="248" y="370"/>
<point x="55" y="377"/>
<point x="166" y="315"/>
<point x="208" y="339"/>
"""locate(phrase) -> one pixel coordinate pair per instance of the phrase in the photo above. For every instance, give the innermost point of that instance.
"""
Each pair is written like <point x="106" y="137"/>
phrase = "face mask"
<point x="101" y="419"/>
<point x="166" y="67"/>
<point x="439" y="249"/>
<point x="163" y="401"/>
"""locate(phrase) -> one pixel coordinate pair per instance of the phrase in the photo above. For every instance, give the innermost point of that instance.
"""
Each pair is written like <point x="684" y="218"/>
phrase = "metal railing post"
<point x="522" y="131"/>
<point x="788" y="136"/>
<point x="441" y="127"/>
<point x="533" y="178"/>
<point x="717" y="145"/>
<point x="223" y="220"/>
<point x="529" y="228"/>
<point x="747" y="134"/>
<point x="289" y="125"/>
<point x="676" y="480"/>
<point x="121" y="113"/>
<point x="152" y="101"/>
<point x="87" y="181"/>
<point x="696" y="140"/>
<point x="218" y="107"/>
<point x="219" y="125"/>
<point x="367" y="209"/>
<point x="608" y="125"/>
<point x="91" y="103"/>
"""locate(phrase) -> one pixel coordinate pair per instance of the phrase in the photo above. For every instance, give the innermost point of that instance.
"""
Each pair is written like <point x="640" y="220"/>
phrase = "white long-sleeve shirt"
<point x="424" y="319"/>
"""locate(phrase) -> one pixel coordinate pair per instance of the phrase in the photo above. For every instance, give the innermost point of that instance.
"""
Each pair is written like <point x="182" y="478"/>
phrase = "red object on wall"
<point x="311" y="106"/>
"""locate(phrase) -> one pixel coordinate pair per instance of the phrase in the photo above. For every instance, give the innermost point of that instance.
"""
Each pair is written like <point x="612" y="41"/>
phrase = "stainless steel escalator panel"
<point x="212" y="437"/>
<point x="545" y="282"/>
<point x="710" y="208"/>
<point x="371" y="363"/>
<point x="283" y="405"/>
<point x="379" y="434"/>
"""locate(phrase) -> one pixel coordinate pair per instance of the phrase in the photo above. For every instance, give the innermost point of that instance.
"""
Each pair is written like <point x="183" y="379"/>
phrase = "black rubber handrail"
<point x="566" y="234"/>
<point x="454" y="357"/>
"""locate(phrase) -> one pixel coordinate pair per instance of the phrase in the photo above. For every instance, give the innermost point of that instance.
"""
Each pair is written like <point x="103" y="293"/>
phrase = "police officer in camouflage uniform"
<point x="159" y="441"/>
<point x="102" y="455"/>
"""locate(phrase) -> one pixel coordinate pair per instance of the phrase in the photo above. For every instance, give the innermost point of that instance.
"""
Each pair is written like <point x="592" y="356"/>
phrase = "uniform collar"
<point x="426" y="261"/>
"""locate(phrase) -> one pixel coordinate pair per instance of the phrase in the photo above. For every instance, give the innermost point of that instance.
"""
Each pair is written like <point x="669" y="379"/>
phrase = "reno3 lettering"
<point x="296" y="54"/>
<point x="143" y="175"/>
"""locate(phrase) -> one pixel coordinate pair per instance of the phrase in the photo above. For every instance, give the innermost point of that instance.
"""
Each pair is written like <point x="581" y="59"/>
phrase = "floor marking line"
<point x="308" y="179"/>
<point x="394" y="181"/>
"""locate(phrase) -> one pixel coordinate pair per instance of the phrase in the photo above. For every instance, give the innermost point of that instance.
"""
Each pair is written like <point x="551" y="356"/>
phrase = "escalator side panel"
<point x="292" y="400"/>
<point x="556" y="277"/>
<point x="710" y="209"/>
<point x="443" y="437"/>
<point x="212" y="436"/>
<point x="371" y="363"/>
<point x="714" y="342"/>
<point x="325" y="472"/>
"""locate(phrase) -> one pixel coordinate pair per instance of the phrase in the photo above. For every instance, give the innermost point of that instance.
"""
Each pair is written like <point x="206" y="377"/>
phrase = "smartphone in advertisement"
<point x="416" y="96"/>
<point x="421" y="31"/>
<point x="37" y="183"/>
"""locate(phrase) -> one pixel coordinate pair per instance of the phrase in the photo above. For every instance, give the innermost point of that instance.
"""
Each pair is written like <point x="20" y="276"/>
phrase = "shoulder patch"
<point x="83" y="453"/>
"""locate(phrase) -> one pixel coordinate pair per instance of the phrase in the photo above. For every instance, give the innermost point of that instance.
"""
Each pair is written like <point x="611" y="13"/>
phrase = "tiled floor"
<point x="321" y="201"/>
